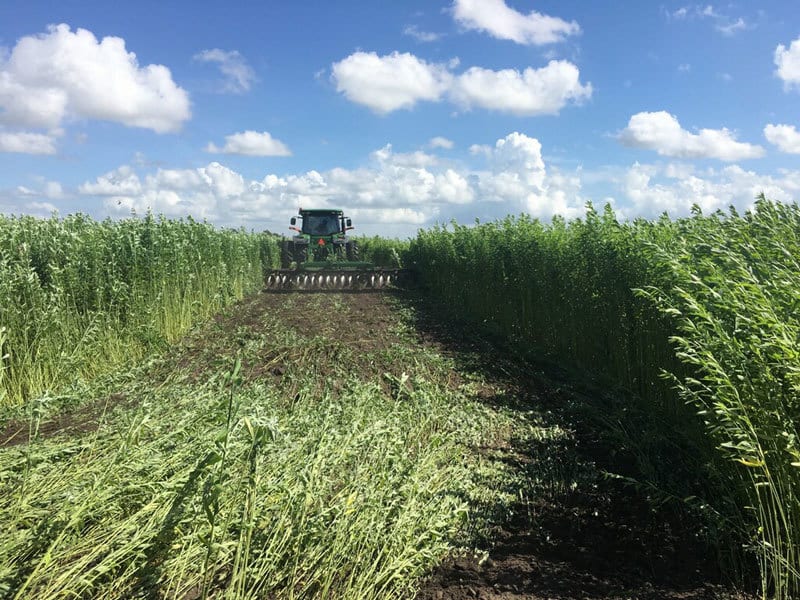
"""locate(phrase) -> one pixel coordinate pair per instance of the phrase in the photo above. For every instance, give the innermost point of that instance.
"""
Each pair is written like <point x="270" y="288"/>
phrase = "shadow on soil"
<point x="575" y="533"/>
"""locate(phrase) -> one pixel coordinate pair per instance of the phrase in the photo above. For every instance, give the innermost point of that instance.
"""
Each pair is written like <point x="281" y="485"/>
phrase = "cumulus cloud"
<point x="27" y="143"/>
<point x="59" y="74"/>
<point x="388" y="83"/>
<point x="394" y="193"/>
<point x="652" y="189"/>
<point x="394" y="189"/>
<point x="785" y="137"/>
<point x="499" y="20"/>
<point x="533" y="92"/>
<point x="788" y="62"/>
<point x="661" y="131"/>
<point x="251" y="143"/>
<point x="399" y="81"/>
<point x="238" y="76"/>
<point x="119" y="182"/>
<point x="441" y="142"/>
<point x="518" y="180"/>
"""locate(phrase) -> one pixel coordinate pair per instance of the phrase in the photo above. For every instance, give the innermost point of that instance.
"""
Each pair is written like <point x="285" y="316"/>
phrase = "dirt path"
<point x="573" y="533"/>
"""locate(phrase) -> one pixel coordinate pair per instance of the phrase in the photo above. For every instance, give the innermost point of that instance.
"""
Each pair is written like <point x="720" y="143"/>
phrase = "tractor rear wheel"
<point x="300" y="253"/>
<point x="286" y="254"/>
<point x="351" y="248"/>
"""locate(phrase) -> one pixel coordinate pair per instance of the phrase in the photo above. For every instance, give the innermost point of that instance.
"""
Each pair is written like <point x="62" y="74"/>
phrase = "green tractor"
<point x="320" y="256"/>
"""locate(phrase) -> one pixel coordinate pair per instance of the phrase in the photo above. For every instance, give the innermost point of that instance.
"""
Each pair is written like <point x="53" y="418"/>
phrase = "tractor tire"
<point x="286" y="254"/>
<point x="300" y="253"/>
<point x="351" y="248"/>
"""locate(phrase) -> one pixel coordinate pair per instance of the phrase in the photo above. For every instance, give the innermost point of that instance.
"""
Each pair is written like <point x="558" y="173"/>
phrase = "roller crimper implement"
<point x="321" y="257"/>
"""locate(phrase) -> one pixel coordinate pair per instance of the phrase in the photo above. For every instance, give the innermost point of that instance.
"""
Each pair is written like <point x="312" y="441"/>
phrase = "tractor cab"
<point x="322" y="223"/>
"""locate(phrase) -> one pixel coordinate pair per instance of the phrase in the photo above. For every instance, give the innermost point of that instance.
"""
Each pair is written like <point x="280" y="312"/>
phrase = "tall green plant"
<point x="77" y="295"/>
<point x="716" y="311"/>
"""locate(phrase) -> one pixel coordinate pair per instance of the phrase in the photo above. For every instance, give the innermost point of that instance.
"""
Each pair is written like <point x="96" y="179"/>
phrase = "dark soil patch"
<point x="366" y="324"/>
<point x="84" y="419"/>
<point x="362" y="321"/>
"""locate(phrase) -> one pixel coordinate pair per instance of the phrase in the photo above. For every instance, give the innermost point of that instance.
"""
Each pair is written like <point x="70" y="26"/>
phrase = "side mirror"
<point x="349" y="223"/>
<point x="293" y="221"/>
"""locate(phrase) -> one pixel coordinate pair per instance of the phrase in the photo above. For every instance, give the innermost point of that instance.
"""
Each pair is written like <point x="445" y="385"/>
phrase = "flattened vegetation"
<point x="359" y="445"/>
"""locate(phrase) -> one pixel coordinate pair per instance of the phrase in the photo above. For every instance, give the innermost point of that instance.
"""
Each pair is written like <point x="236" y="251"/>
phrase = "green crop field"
<point x="167" y="429"/>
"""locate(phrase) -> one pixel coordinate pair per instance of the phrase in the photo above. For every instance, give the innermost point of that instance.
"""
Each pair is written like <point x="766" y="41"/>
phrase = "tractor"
<point x="320" y="256"/>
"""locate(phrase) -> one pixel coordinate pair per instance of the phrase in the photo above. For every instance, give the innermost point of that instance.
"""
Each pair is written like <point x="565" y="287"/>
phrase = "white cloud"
<point x="251" y="143"/>
<point x="400" y="190"/>
<point x="389" y="216"/>
<point x="731" y="27"/>
<point x="119" y="182"/>
<point x="520" y="154"/>
<point x="421" y="36"/>
<point x="519" y="181"/>
<point x="47" y="190"/>
<point x="222" y="181"/>
<point x="661" y="131"/>
<point x="454" y="187"/>
<point x="480" y="150"/>
<point x="238" y="75"/>
<point x="653" y="189"/>
<point x="394" y="193"/>
<point x="785" y="137"/>
<point x="59" y="74"/>
<point x="533" y="92"/>
<point x="41" y="208"/>
<point x="441" y="142"/>
<point x="397" y="81"/>
<point x="27" y="143"/>
<point x="410" y="159"/>
<point x="499" y="20"/>
<point x="788" y="62"/>
<point x="388" y="83"/>
<point x="53" y="190"/>
<point x="725" y="24"/>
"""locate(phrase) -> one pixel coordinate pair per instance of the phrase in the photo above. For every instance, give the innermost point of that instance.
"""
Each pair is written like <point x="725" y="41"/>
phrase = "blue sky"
<point x="403" y="113"/>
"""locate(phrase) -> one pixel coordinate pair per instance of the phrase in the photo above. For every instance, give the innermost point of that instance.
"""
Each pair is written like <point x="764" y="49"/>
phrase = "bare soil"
<point x="83" y="419"/>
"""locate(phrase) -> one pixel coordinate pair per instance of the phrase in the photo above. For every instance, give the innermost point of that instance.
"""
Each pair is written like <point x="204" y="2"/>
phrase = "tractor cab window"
<point x="321" y="224"/>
